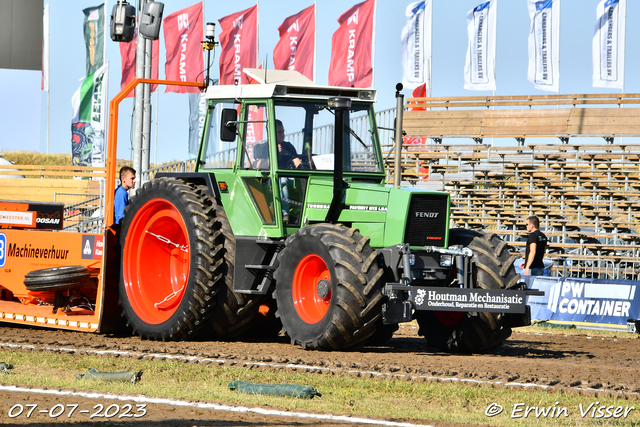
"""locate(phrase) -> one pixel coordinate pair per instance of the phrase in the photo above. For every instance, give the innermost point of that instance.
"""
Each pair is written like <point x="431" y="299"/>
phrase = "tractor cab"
<point x="270" y="139"/>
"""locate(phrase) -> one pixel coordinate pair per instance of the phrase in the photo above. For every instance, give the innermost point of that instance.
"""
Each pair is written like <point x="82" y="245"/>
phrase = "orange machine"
<point x="58" y="279"/>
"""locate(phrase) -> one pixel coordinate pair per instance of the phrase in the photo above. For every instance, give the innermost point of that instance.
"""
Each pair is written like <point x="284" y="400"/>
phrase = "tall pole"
<point x="430" y="45"/>
<point x="373" y="46"/>
<point x="315" y="37"/>
<point x="138" y="102"/>
<point x="48" y="72"/>
<point x="397" y="172"/>
<point x="146" y="122"/>
<point x="105" y="89"/>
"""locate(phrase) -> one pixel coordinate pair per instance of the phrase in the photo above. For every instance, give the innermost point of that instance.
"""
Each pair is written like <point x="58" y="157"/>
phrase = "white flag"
<point x="608" y="44"/>
<point x="480" y="64"/>
<point x="416" y="44"/>
<point x="544" y="44"/>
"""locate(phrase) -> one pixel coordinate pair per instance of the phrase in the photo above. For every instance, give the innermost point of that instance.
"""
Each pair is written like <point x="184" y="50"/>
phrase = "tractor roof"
<point x="284" y="84"/>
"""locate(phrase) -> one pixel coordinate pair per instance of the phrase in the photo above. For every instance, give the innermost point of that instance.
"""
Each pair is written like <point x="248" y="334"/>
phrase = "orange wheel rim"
<point x="312" y="289"/>
<point x="156" y="261"/>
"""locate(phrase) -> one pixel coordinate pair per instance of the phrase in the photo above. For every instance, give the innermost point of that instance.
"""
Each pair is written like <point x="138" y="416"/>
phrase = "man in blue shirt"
<point x="127" y="182"/>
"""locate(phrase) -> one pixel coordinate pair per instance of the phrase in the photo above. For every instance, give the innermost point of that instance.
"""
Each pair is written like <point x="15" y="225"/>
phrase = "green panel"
<point x="348" y="215"/>
<point x="367" y="195"/>
<point x="396" y="216"/>
<point x="374" y="231"/>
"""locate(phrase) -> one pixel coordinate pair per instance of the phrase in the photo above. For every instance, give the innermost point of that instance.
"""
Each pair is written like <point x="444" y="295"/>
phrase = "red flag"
<point x="352" y="47"/>
<point x="254" y="130"/>
<point x="182" y="36"/>
<point x="128" y="57"/>
<point x="296" y="48"/>
<point x="238" y="44"/>
<point x="419" y="92"/>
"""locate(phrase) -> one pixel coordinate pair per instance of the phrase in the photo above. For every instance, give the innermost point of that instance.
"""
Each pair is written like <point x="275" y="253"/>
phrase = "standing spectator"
<point x="536" y="247"/>
<point x="127" y="182"/>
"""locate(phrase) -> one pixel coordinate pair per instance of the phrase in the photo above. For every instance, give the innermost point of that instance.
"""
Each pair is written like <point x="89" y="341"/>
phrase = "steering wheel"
<point x="302" y="165"/>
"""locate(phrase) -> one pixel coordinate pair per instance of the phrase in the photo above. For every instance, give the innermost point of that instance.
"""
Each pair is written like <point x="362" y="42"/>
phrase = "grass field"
<point x="342" y="394"/>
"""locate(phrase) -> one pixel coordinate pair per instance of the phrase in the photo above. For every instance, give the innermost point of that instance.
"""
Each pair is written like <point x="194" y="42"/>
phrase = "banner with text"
<point x="544" y="44"/>
<point x="94" y="37"/>
<point x="182" y="36"/>
<point x="238" y="45"/>
<point x="576" y="300"/>
<point x="87" y="125"/>
<point x="416" y="44"/>
<point x="128" y="59"/>
<point x="352" y="47"/>
<point x="197" y="113"/>
<point x="609" y="44"/>
<point x="296" y="49"/>
<point x="480" y="63"/>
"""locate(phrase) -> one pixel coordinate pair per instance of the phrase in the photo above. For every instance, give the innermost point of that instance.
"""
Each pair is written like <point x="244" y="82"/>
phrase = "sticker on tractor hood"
<point x="353" y="207"/>
<point x="457" y="299"/>
<point x="367" y="208"/>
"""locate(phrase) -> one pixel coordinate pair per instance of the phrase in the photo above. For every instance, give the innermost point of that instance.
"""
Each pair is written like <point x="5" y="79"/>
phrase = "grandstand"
<point x="572" y="160"/>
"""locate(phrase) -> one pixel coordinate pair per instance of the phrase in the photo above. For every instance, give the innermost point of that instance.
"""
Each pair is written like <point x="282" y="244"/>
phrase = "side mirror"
<point x="123" y="22"/>
<point x="228" y="126"/>
<point x="151" y="20"/>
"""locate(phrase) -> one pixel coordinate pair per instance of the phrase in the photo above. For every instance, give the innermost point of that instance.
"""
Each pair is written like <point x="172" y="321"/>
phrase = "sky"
<point x="23" y="106"/>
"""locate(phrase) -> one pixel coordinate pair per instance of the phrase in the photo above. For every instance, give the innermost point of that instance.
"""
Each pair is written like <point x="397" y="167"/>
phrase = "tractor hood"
<point x="388" y="216"/>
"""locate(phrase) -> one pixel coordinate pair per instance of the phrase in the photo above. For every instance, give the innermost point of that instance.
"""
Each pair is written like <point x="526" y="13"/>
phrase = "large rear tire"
<point x="169" y="261"/>
<point x="328" y="287"/>
<point x="492" y="268"/>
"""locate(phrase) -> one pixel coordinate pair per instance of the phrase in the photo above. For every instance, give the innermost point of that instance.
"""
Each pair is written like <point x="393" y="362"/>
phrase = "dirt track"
<point x="550" y="361"/>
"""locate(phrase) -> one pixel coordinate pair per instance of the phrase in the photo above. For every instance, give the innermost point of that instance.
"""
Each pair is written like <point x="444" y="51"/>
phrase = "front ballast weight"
<point x="460" y="295"/>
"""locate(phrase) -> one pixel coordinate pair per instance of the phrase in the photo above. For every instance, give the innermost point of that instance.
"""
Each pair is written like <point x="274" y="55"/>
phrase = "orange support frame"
<point x="114" y="106"/>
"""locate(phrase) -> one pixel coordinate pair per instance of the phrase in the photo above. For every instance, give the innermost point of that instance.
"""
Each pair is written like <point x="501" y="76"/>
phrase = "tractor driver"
<point x="287" y="156"/>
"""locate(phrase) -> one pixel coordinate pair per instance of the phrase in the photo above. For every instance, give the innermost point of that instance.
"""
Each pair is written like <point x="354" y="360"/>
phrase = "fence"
<point x="83" y="213"/>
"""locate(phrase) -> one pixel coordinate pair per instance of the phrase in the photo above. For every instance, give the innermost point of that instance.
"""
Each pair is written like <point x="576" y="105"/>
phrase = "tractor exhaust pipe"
<point x="397" y="172"/>
<point x="339" y="105"/>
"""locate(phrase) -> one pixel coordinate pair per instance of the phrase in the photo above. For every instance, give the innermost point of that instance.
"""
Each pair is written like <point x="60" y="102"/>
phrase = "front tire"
<point x="328" y="287"/>
<point x="492" y="268"/>
<point x="168" y="261"/>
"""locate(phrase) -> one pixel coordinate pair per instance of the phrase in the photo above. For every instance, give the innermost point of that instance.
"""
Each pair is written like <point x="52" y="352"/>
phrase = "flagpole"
<point x="105" y="91"/>
<point x="624" y="52"/>
<point x="373" y="46"/>
<point x="204" y="57"/>
<point x="155" y="145"/>
<point x="48" y="75"/>
<point x="430" y="43"/>
<point x="258" y="33"/>
<point x="315" y="37"/>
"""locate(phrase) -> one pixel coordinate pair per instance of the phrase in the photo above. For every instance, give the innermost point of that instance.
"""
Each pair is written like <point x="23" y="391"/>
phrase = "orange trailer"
<point x="56" y="279"/>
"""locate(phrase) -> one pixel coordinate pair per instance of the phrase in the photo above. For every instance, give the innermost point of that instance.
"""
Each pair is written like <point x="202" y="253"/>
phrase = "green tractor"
<point x="287" y="221"/>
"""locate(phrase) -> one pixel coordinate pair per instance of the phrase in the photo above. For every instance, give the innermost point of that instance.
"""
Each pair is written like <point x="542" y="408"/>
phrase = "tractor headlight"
<point x="446" y="260"/>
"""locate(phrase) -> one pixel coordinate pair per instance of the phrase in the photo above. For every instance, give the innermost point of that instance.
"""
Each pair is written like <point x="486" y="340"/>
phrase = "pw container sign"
<point x="594" y="301"/>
